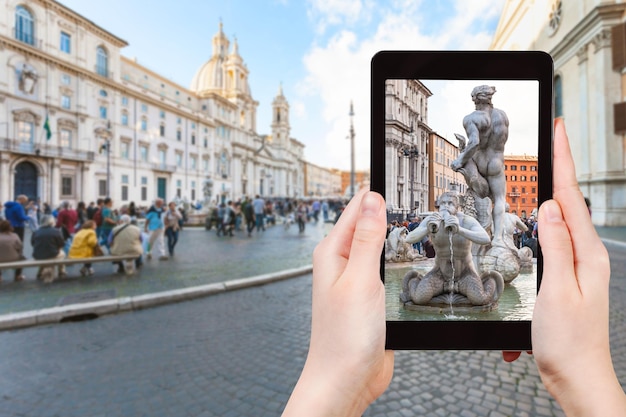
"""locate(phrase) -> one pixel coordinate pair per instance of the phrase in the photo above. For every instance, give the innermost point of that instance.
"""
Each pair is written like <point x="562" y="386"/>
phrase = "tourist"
<point x="125" y="239"/>
<point x="81" y="212"/>
<point x="84" y="246"/>
<point x="347" y="366"/>
<point x="48" y="243"/>
<point x="14" y="212"/>
<point x="32" y="211"/>
<point x="172" y="226"/>
<point x="67" y="218"/>
<point x="248" y="213"/>
<point x="259" y="212"/>
<point x="10" y="248"/>
<point x="302" y="215"/>
<point x="154" y="225"/>
<point x="109" y="221"/>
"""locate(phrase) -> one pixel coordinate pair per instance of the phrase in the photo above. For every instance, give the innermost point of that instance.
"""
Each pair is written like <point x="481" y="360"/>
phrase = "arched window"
<point x="102" y="61"/>
<point x="558" y="96"/>
<point x="24" y="25"/>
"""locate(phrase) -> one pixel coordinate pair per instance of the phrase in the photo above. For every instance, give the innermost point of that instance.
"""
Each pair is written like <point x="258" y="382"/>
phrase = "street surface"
<point x="201" y="257"/>
<point x="240" y="353"/>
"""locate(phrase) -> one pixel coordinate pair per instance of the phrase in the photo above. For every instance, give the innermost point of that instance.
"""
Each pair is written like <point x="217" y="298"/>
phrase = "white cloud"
<point x="327" y="13"/>
<point x="338" y="70"/>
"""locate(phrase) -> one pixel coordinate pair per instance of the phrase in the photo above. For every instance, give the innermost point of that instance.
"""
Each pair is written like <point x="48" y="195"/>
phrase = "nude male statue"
<point x="452" y="234"/>
<point x="482" y="160"/>
<point x="512" y="222"/>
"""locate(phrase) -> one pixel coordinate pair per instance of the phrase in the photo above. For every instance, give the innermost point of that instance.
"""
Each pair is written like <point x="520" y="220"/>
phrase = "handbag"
<point x="97" y="251"/>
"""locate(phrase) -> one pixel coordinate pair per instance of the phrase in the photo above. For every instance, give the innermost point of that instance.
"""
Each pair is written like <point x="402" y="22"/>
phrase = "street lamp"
<point x="107" y="146"/>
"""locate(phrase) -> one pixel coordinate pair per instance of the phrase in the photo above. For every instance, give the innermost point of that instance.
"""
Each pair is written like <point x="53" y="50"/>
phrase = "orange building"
<point x="521" y="184"/>
<point x="361" y="180"/>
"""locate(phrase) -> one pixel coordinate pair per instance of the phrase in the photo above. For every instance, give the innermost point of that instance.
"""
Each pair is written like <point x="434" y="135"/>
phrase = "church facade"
<point x="586" y="39"/>
<point x="79" y="121"/>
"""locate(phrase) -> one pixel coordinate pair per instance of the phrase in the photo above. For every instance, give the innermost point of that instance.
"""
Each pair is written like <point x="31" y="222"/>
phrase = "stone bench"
<point x="29" y="263"/>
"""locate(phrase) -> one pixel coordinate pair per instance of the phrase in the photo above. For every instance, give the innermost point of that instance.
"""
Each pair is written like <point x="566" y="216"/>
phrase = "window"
<point x="179" y="185"/>
<point x="533" y="167"/>
<point x="124" y="150"/>
<point x="533" y="190"/>
<point x="144" y="107"/>
<point x="179" y="159"/>
<point x="24" y="25"/>
<point x="103" y="93"/>
<point x="523" y="200"/>
<point x="144" y="188"/>
<point x="206" y="142"/>
<point x="144" y="124"/>
<point x="25" y="131"/>
<point x="66" y="102"/>
<point x="205" y="164"/>
<point x="66" y="79"/>
<point x="179" y="136"/>
<point x="523" y="190"/>
<point x="513" y="178"/>
<point x="103" y="112"/>
<point x="178" y="120"/>
<point x="522" y="168"/>
<point x="65" y="139"/>
<point x="67" y="186"/>
<point x="193" y="190"/>
<point x="193" y="138"/>
<point x="65" y="43"/>
<point x="124" y="101"/>
<point x="125" y="187"/>
<point x="522" y="178"/>
<point x="162" y="156"/>
<point x="102" y="61"/>
<point x="533" y="178"/>
<point x="193" y="162"/>
<point x="162" y="114"/>
<point x="102" y="188"/>
<point x="513" y="167"/>
<point x="143" y="153"/>
<point x="505" y="167"/>
<point x="558" y="96"/>
<point x="124" y="118"/>
<point x="162" y="130"/>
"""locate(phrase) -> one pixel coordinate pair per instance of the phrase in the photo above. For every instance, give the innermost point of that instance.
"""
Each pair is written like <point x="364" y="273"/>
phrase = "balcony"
<point x="27" y="37"/>
<point x="163" y="167"/>
<point x="45" y="150"/>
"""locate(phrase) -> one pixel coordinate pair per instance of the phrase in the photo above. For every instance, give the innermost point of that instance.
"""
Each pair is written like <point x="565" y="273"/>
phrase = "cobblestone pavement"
<point x="240" y="353"/>
<point x="201" y="258"/>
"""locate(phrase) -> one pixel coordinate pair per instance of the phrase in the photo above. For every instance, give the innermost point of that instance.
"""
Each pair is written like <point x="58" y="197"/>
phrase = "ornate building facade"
<point x="586" y="39"/>
<point x="79" y="121"/>
<point x="406" y="138"/>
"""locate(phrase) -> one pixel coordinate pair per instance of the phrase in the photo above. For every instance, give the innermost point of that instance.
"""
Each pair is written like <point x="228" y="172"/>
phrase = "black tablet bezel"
<point x="462" y="65"/>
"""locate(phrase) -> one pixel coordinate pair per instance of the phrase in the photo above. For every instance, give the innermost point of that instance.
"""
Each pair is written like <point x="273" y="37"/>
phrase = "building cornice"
<point x="82" y="20"/>
<point x="602" y="16"/>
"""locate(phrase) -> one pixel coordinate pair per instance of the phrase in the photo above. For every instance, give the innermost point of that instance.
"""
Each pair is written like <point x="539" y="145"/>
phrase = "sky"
<point x="318" y="50"/>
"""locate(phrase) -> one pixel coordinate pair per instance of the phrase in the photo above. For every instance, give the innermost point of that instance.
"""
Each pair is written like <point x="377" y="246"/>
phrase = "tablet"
<point x="462" y="152"/>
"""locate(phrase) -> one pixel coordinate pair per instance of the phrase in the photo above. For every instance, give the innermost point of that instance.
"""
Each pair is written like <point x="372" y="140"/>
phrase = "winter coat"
<point x="82" y="245"/>
<point x="15" y="214"/>
<point x="127" y="241"/>
<point x="10" y="247"/>
<point x="47" y="241"/>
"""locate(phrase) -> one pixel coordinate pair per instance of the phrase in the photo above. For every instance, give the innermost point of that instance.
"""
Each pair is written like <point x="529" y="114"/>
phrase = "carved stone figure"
<point x="481" y="161"/>
<point x="28" y="79"/>
<point x="454" y="279"/>
<point x="396" y="247"/>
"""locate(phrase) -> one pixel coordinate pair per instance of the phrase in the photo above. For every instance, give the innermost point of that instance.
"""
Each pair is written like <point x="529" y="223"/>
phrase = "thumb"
<point x="369" y="236"/>
<point x="557" y="250"/>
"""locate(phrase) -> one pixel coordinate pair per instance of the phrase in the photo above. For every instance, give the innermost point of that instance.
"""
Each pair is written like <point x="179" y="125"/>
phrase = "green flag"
<point x="46" y="127"/>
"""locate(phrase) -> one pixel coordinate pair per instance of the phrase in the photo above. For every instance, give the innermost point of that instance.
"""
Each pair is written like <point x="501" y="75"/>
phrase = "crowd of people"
<point x="83" y="232"/>
<point x="258" y="213"/>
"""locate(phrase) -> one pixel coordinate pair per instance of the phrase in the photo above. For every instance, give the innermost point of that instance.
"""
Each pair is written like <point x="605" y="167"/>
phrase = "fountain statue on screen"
<point x="454" y="280"/>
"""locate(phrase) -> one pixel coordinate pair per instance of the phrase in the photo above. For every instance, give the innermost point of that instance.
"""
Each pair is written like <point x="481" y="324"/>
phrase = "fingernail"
<point x="370" y="204"/>
<point x="553" y="212"/>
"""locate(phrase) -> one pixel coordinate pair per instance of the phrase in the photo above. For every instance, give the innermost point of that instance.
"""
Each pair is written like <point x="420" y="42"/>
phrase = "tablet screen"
<point x="461" y="151"/>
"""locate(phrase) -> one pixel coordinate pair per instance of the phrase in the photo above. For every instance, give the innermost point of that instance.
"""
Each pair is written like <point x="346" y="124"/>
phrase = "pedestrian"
<point x="154" y="225"/>
<point x="81" y="213"/>
<point x="248" y="213"/>
<point x="67" y="218"/>
<point x="125" y="239"/>
<point x="14" y="212"/>
<point x="172" y="226"/>
<point x="32" y="213"/>
<point x="259" y="212"/>
<point x="84" y="246"/>
<point x="228" y="219"/>
<point x="10" y="248"/>
<point x="48" y="243"/>
<point x="109" y="221"/>
<point x="302" y="215"/>
<point x="325" y="208"/>
<point x="91" y="210"/>
<point x="132" y="212"/>
<point x="530" y="242"/>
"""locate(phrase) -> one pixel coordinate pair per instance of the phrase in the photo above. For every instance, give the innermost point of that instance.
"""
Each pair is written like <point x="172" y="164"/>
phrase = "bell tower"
<point x="280" y="120"/>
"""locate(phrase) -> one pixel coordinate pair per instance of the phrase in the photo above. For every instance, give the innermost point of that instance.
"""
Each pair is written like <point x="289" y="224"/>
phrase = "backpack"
<point x="97" y="217"/>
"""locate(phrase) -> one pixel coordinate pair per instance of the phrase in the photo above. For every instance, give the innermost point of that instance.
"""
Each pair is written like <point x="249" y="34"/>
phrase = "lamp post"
<point x="107" y="146"/>
<point x="351" y="150"/>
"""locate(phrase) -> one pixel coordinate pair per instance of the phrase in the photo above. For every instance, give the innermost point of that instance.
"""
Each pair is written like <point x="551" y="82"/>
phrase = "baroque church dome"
<point x="224" y="73"/>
